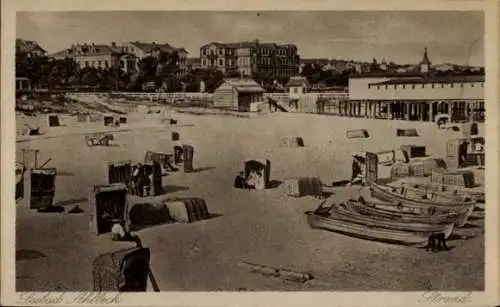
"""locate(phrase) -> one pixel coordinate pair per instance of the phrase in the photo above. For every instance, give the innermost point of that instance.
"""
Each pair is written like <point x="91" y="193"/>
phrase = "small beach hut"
<point x="125" y="270"/>
<point x="261" y="167"/>
<point x="54" y="120"/>
<point x="20" y="169"/>
<point x="42" y="187"/>
<point x="364" y="167"/>
<point x="109" y="120"/>
<point x="107" y="206"/>
<point x="238" y="94"/>
<point x="188" y="155"/>
<point x="297" y="86"/>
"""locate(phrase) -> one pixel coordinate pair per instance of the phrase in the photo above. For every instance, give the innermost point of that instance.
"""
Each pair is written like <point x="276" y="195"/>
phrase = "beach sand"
<point x="263" y="227"/>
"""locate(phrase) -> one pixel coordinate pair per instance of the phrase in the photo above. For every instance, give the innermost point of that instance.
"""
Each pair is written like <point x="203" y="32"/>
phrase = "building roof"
<point x="182" y="49"/>
<point x="437" y="79"/>
<point x="249" y="44"/>
<point x="297" y="81"/>
<point x="86" y="51"/>
<point x="27" y="46"/>
<point x="425" y="59"/>
<point x="244" y="85"/>
<point x="148" y="47"/>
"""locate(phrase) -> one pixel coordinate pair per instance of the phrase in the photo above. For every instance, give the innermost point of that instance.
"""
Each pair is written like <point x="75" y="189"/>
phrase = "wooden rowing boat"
<point x="345" y="212"/>
<point x="374" y="233"/>
<point x="392" y="195"/>
<point x="441" y="191"/>
<point x="458" y="218"/>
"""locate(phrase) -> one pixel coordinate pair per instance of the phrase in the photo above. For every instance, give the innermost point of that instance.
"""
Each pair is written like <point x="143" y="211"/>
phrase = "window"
<point x="204" y="62"/>
<point x="221" y="63"/>
<point x="295" y="90"/>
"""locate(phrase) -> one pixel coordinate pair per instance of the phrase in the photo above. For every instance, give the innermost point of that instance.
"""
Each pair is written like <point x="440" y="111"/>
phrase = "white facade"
<point x="364" y="89"/>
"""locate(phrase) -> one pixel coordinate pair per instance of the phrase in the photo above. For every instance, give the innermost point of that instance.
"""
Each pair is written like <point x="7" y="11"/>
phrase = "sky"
<point x="450" y="36"/>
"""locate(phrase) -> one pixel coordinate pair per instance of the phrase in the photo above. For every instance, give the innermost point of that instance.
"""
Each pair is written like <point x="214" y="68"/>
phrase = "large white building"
<point x="416" y="96"/>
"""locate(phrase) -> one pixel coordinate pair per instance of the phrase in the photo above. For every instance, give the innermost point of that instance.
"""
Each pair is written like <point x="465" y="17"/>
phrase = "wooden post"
<point x="431" y="115"/>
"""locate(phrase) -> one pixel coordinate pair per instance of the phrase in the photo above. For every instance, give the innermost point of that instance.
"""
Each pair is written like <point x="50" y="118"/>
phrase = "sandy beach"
<point x="263" y="227"/>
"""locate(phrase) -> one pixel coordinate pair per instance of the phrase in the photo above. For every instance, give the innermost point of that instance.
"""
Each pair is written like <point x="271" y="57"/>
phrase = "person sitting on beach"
<point x="259" y="181"/>
<point x="251" y="180"/>
<point x="357" y="172"/>
<point x="478" y="147"/>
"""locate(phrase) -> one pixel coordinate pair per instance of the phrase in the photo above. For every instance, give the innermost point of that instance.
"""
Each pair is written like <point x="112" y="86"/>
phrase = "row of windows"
<point x="413" y="86"/>
<point x="246" y="61"/>
<point x="263" y="51"/>
<point x="101" y="64"/>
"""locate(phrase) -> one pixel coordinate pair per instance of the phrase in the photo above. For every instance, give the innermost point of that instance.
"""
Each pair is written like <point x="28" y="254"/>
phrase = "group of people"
<point x="255" y="180"/>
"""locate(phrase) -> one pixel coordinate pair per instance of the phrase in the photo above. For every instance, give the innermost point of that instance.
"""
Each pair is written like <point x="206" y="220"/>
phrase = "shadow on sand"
<point x="273" y="184"/>
<point x="28" y="254"/>
<point x="71" y="201"/>
<point x="51" y="209"/>
<point x="147" y="215"/>
<point x="202" y="169"/>
<point x="456" y="237"/>
<point x="173" y="188"/>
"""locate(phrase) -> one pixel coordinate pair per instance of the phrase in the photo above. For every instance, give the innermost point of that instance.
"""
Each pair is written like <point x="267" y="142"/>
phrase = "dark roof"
<point x="444" y="79"/>
<point x="148" y="47"/>
<point x="300" y="81"/>
<point x="249" y="44"/>
<point x="99" y="50"/>
<point x="27" y="46"/>
<point x="244" y="85"/>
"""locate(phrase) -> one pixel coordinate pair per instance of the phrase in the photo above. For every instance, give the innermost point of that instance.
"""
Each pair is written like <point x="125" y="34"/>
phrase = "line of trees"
<point x="154" y="73"/>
